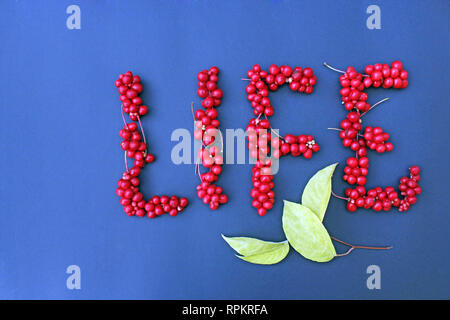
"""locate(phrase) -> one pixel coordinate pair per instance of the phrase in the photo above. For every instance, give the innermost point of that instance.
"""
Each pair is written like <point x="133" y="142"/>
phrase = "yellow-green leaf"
<point x="258" y="251"/>
<point x="316" y="194"/>
<point x="306" y="233"/>
<point x="269" y="257"/>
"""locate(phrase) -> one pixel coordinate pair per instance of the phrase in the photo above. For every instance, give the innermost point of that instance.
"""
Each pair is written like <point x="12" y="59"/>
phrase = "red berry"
<point x="415" y="170"/>
<point x="351" y="206"/>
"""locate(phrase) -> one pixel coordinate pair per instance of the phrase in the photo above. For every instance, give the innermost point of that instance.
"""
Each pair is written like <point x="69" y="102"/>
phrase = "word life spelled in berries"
<point x="260" y="139"/>
<point x="373" y="138"/>
<point x="207" y="125"/>
<point x="263" y="140"/>
<point x="135" y="147"/>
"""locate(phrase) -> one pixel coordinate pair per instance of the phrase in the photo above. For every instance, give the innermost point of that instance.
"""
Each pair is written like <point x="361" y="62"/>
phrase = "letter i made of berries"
<point x="374" y="138"/>
<point x="262" y="138"/>
<point x="135" y="147"/>
<point x="207" y="131"/>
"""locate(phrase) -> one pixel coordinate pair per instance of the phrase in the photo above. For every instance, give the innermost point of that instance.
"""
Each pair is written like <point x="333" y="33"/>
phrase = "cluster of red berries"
<point x="128" y="186"/>
<point x="262" y="193"/>
<point x="356" y="170"/>
<point x="379" y="199"/>
<point x="301" y="80"/>
<point x="295" y="145"/>
<point x="355" y="101"/>
<point x="409" y="188"/>
<point x="259" y="138"/>
<point x="133" y="145"/>
<point x="261" y="142"/>
<point x="207" y="88"/>
<point x="376" y="198"/>
<point x="350" y="134"/>
<point x="211" y="194"/>
<point x="207" y="125"/>
<point x="376" y="139"/>
<point x="129" y="87"/>
<point x="134" y="204"/>
<point x="385" y="76"/>
<point x="353" y="83"/>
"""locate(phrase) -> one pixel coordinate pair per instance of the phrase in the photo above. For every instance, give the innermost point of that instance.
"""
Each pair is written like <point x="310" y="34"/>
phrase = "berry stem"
<point x="195" y="167"/>
<point x="142" y="129"/>
<point x="337" y="70"/>
<point x="337" y="129"/>
<point x="353" y="247"/>
<point x="246" y="79"/>
<point x="339" y="197"/>
<point x="193" y="116"/>
<point x="271" y="129"/>
<point x="357" y="139"/>
<point x="376" y="104"/>
<point x="125" y="159"/>
<point x="123" y="117"/>
<point x="192" y="111"/>
<point x="334" y="69"/>
<point x="197" y="170"/>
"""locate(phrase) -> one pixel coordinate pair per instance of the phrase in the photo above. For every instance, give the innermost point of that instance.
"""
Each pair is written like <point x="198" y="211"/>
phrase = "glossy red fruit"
<point x="351" y="206"/>
<point x="129" y="87"/>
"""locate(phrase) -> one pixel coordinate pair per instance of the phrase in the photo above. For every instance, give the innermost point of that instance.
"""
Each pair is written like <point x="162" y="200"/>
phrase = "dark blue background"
<point x="61" y="159"/>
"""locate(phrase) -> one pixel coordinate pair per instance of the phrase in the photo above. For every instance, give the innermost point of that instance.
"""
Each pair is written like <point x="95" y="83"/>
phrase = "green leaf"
<point x="258" y="251"/>
<point x="316" y="194"/>
<point x="306" y="233"/>
<point x="270" y="257"/>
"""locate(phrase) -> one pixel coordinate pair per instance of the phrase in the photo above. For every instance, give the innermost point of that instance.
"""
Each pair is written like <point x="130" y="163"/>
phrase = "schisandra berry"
<point x="380" y="199"/>
<point x="133" y="144"/>
<point x="129" y="88"/>
<point x="376" y="139"/>
<point x="373" y="138"/>
<point x="207" y="125"/>
<point x="261" y="141"/>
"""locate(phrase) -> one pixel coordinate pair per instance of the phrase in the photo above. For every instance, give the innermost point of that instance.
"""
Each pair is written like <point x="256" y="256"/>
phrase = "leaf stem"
<point x="345" y="253"/>
<point x="353" y="247"/>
